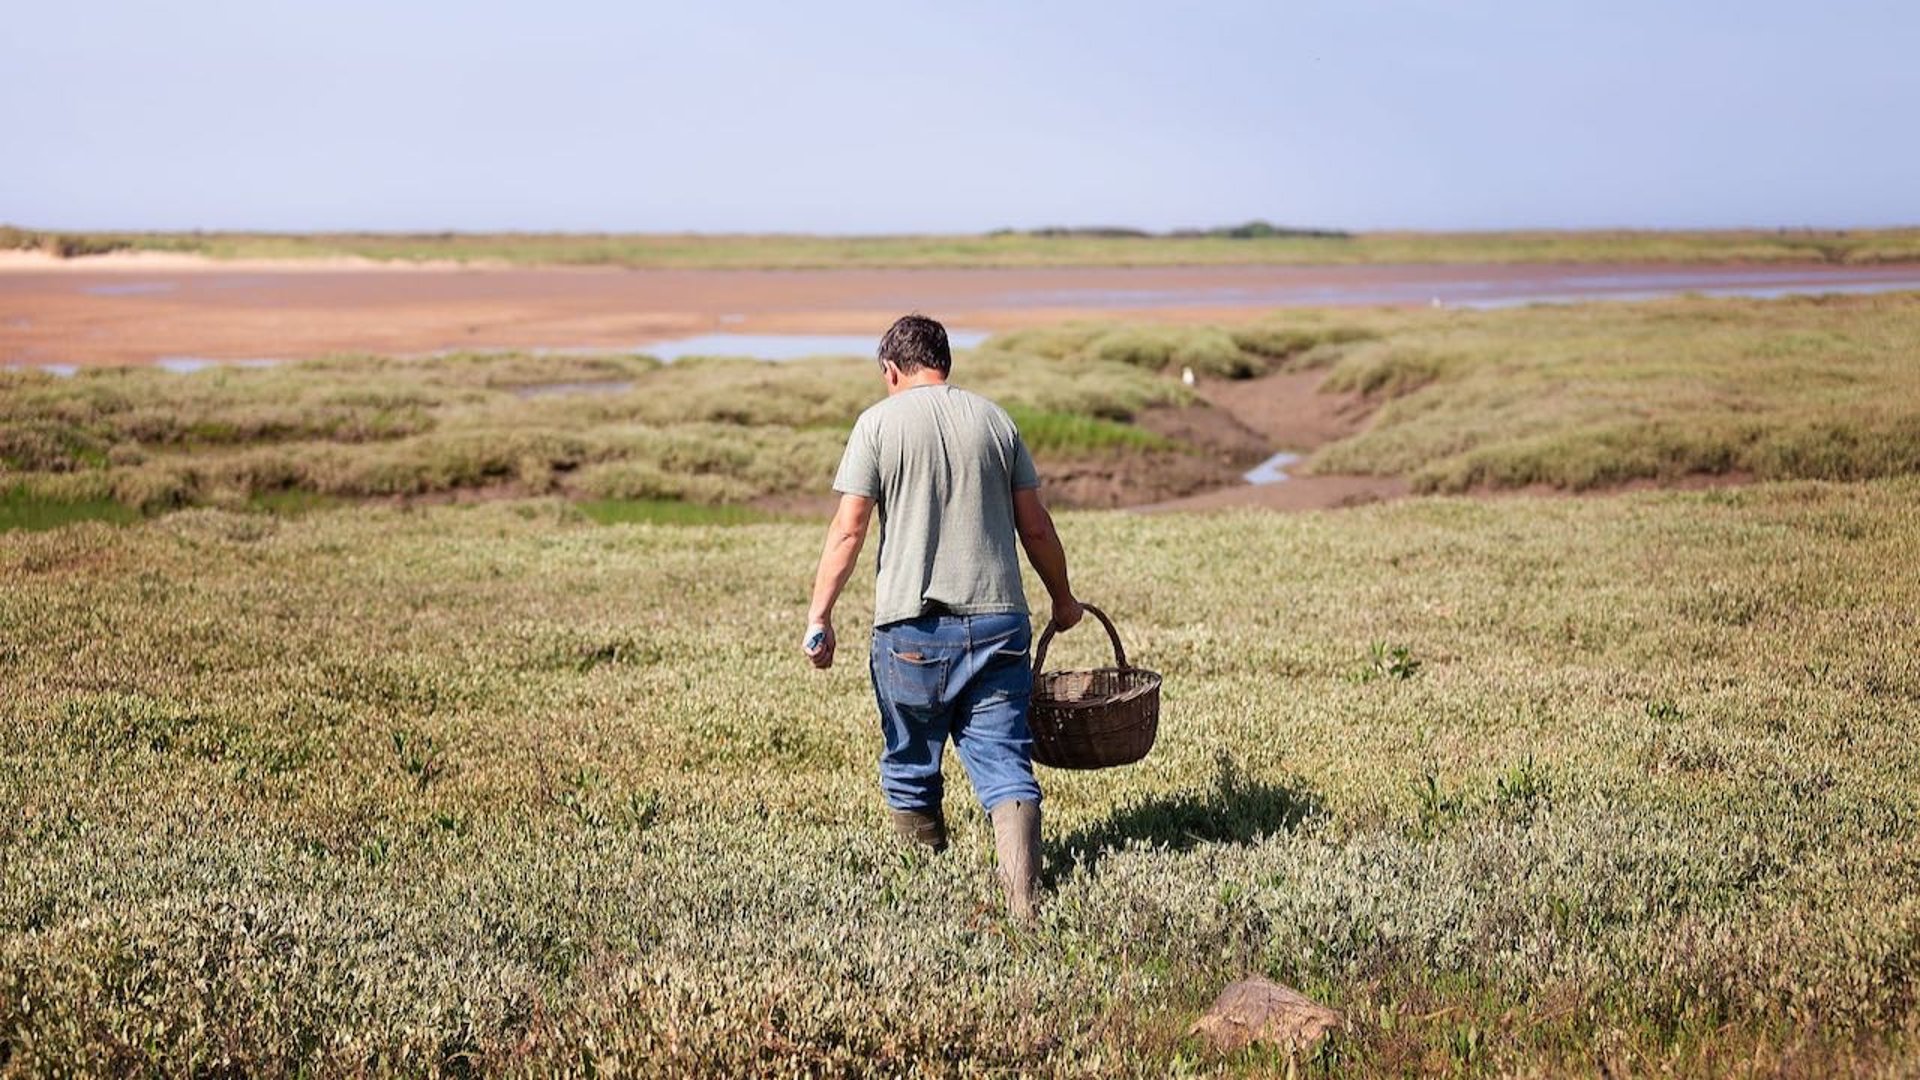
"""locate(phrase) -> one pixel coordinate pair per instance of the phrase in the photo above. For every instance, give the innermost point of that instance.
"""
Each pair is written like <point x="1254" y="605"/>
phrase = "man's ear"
<point x="890" y="372"/>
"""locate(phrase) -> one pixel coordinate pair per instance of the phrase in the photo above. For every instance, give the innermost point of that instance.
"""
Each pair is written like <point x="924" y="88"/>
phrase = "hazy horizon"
<point x="754" y="117"/>
<point x="402" y="230"/>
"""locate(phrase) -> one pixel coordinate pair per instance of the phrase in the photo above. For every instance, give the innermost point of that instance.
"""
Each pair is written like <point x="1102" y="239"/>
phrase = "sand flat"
<point x="140" y="308"/>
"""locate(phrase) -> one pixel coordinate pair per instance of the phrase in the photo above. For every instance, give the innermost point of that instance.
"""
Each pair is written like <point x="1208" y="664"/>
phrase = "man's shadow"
<point x="1235" y="809"/>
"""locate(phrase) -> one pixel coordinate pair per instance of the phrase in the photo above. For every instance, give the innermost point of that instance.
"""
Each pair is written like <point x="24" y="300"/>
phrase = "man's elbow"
<point x="850" y="537"/>
<point x="1036" y="531"/>
<point x="1031" y="522"/>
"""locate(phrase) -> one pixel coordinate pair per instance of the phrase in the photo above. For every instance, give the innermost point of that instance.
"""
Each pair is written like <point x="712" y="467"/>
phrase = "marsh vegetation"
<point x="1573" y="398"/>
<point x="1516" y="785"/>
<point x="421" y="725"/>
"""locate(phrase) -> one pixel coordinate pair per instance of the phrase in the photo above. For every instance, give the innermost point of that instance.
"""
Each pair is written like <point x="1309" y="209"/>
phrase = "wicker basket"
<point x="1093" y="719"/>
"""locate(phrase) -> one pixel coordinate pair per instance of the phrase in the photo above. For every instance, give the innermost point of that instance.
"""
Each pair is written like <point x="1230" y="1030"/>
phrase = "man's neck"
<point x="923" y="377"/>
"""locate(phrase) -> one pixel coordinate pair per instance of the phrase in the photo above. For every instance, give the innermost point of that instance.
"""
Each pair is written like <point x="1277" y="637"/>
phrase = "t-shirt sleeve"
<point x="1024" y="474"/>
<point x="859" y="472"/>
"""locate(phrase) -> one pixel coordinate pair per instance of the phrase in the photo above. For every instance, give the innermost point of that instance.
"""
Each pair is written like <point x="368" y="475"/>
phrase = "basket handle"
<point x="1046" y="638"/>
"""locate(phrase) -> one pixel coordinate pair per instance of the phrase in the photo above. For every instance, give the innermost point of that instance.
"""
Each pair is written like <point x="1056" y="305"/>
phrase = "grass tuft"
<point x="1048" y="432"/>
<point x="21" y="509"/>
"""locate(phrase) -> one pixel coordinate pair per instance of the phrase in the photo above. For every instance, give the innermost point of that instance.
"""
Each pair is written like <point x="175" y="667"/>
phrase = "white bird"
<point x="1186" y="376"/>
<point x="1437" y="303"/>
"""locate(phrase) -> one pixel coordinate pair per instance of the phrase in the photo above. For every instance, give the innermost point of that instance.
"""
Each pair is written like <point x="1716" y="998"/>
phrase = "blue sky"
<point x="875" y="117"/>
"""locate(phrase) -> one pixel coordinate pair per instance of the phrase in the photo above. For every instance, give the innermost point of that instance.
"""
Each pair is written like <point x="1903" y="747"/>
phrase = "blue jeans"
<point x="964" y="676"/>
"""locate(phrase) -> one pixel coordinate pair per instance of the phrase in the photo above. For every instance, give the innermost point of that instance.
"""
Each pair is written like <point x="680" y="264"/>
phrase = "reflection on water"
<point x="1273" y="470"/>
<point x="129" y="288"/>
<point x="185" y="365"/>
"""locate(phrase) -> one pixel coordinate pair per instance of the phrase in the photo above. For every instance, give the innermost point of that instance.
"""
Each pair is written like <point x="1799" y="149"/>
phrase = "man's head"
<point x="914" y="350"/>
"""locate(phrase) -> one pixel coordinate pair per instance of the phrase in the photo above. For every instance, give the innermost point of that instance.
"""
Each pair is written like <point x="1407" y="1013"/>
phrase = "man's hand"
<point x="1067" y="614"/>
<point x="818" y="645"/>
<point x="844" y="537"/>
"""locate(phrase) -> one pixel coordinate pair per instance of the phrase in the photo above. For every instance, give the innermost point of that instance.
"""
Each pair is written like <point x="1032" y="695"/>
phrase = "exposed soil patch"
<point x="1131" y="479"/>
<point x="1211" y="432"/>
<point x="1247" y="420"/>
<point x="1287" y="410"/>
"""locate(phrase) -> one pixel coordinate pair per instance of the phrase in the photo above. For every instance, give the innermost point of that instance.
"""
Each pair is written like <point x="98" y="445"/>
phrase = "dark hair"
<point x="914" y="342"/>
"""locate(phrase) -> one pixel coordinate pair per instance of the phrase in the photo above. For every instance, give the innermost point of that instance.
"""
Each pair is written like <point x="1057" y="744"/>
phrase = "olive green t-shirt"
<point x="941" y="464"/>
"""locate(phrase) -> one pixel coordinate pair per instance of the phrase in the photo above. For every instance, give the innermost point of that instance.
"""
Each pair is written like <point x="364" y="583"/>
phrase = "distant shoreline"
<point x="39" y="250"/>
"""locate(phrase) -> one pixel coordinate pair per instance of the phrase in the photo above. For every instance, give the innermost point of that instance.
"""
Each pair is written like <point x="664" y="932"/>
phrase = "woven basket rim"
<point x="1108" y="701"/>
<point x="1145" y="682"/>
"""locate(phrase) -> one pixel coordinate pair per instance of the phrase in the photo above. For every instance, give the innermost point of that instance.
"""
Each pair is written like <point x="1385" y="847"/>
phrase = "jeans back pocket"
<point x="914" y="677"/>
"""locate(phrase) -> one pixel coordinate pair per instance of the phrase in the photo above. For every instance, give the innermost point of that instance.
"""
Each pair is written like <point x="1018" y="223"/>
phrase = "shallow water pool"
<point x="1273" y="470"/>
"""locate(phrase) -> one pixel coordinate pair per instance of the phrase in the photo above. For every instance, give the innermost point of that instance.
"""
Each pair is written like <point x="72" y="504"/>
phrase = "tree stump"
<point x="1260" y="1010"/>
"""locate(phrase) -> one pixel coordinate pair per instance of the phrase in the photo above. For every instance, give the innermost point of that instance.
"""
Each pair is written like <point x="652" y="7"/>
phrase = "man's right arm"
<point x="1049" y="559"/>
<point x="845" y="536"/>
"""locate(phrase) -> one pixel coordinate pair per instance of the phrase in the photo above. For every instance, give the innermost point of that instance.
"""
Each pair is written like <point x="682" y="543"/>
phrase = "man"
<point x="954" y="486"/>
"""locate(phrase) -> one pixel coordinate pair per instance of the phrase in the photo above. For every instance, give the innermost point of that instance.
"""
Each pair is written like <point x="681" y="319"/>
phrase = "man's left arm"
<point x="845" y="537"/>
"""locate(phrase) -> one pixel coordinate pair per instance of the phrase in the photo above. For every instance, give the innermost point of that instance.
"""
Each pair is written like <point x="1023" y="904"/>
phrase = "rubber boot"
<point x="928" y="828"/>
<point x="1016" y="839"/>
